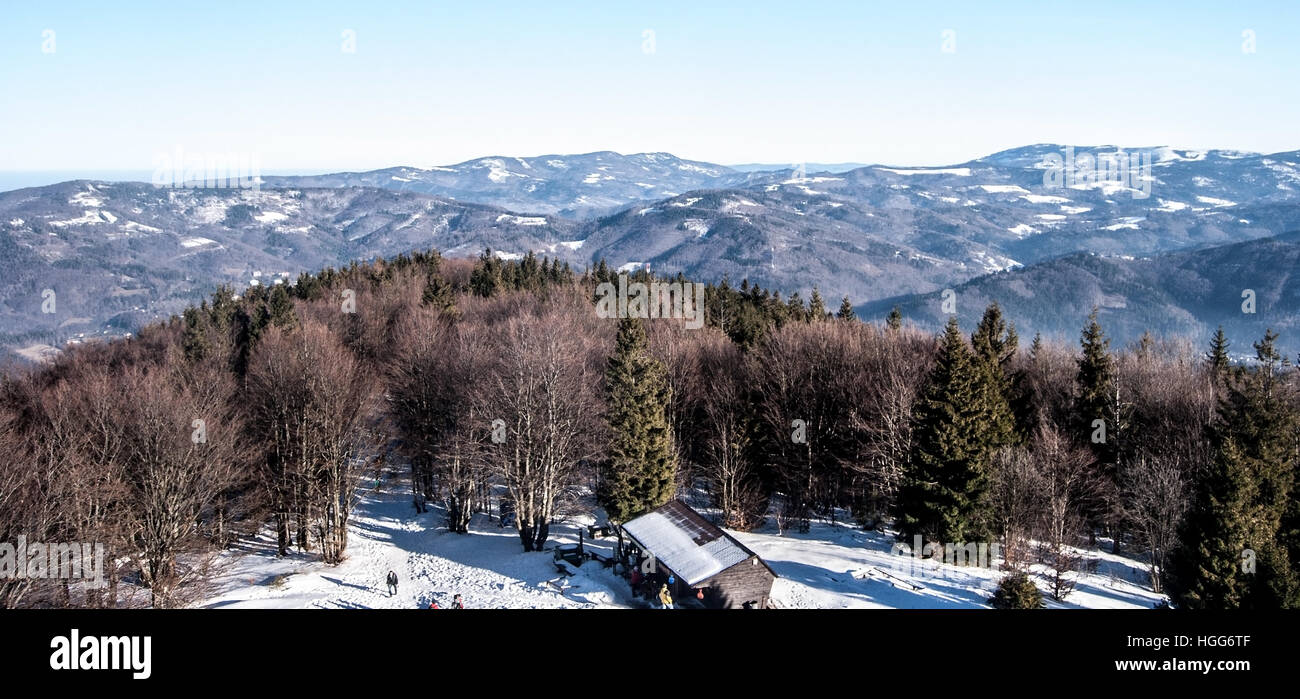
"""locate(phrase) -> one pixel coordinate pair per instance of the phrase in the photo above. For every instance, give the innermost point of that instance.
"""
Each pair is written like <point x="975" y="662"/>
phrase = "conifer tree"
<point x="795" y="310"/>
<point x="994" y="344"/>
<point x="486" y="279"/>
<point x="223" y="308"/>
<point x="816" y="307"/>
<point x="942" y="494"/>
<point x="1016" y="590"/>
<point x="1217" y="357"/>
<point x="1263" y="421"/>
<point x="1096" y="398"/>
<point x="846" y="310"/>
<point x="640" y="471"/>
<point x="1207" y="569"/>
<point x="438" y="294"/>
<point x="194" y="342"/>
<point x="895" y="319"/>
<point x="1234" y="551"/>
<point x="280" y="307"/>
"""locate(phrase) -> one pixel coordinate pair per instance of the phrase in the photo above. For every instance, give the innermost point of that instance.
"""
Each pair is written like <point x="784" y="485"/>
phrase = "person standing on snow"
<point x="636" y="582"/>
<point x="392" y="583"/>
<point x="457" y="602"/>
<point x="665" y="598"/>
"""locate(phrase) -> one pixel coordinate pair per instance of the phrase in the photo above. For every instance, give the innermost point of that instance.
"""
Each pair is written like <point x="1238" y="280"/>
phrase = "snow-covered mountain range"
<point x="119" y="254"/>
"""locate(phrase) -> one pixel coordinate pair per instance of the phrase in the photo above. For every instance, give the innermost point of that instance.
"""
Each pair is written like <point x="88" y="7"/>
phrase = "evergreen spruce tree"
<point x="1263" y="421"/>
<point x="223" y="308"/>
<point x="994" y="344"/>
<point x="1097" y="383"/>
<point x="280" y="307"/>
<point x="1217" y="357"/>
<point x="941" y="497"/>
<point x="895" y="319"/>
<point x="795" y="310"/>
<point x="846" y="310"/>
<point x="1096" y="397"/>
<point x="486" y="279"/>
<point x="816" y="307"/>
<point x="438" y="294"/>
<point x="1206" y="571"/>
<point x="640" y="472"/>
<point x="1028" y="403"/>
<point x="1235" y="550"/>
<point x="194" y="342"/>
<point x="248" y="322"/>
<point x="1016" y="591"/>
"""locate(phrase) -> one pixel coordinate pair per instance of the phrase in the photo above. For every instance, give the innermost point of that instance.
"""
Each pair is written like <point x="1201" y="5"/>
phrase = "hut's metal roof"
<point x="686" y="543"/>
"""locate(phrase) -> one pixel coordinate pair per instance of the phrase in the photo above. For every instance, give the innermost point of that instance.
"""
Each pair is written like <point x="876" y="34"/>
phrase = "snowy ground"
<point x="836" y="566"/>
<point x="830" y="566"/>
<point x="487" y="567"/>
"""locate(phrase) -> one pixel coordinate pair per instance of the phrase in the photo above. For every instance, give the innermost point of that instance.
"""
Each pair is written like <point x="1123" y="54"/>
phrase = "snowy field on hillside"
<point x="832" y="566"/>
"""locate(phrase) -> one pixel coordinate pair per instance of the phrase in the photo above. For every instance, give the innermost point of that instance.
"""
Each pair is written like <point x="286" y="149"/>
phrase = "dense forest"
<point x="495" y="379"/>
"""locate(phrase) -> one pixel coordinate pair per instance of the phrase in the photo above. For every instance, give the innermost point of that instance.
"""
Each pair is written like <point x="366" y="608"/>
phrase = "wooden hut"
<point x="700" y="557"/>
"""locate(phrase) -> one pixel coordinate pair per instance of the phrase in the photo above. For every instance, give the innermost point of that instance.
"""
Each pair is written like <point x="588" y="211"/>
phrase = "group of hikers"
<point x="662" y="598"/>
<point x="457" y="602"/>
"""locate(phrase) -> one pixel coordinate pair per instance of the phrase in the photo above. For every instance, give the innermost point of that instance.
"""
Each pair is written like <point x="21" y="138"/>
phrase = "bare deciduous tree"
<point x="308" y="400"/>
<point x="1156" y="493"/>
<point x="181" y="439"/>
<point x="432" y="401"/>
<point x="545" y="386"/>
<point x="1014" y="494"/>
<point x="1063" y="478"/>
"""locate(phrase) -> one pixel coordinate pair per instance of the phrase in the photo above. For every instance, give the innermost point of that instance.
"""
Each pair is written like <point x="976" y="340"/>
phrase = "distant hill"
<point x="120" y="254"/>
<point x="1176" y="294"/>
<point x="833" y="168"/>
<point x="574" y="186"/>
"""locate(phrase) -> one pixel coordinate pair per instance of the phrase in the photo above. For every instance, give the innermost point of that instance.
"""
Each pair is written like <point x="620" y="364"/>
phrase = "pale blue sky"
<point x="782" y="82"/>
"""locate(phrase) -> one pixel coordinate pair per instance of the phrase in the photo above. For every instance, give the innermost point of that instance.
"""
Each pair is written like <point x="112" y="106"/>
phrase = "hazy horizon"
<point x="11" y="179"/>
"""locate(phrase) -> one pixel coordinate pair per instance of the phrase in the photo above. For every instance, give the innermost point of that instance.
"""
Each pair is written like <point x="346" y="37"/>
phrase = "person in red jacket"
<point x="636" y="582"/>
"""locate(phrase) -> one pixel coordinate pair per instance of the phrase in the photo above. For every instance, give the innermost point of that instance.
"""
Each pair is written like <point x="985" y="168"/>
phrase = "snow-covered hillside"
<point x="831" y="566"/>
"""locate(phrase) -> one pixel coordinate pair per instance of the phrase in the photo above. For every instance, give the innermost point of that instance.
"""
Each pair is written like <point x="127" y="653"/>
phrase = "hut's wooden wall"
<point x="749" y="581"/>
